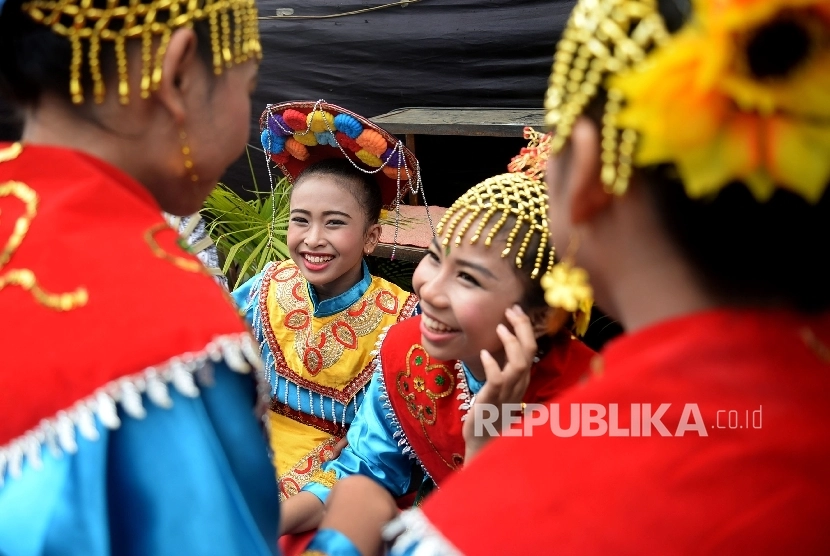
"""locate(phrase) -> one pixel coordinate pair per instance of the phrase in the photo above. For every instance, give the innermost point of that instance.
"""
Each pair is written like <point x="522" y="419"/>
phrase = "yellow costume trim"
<point x="325" y="478"/>
<point x="299" y="452"/>
<point x="694" y="100"/>
<point x="87" y="27"/>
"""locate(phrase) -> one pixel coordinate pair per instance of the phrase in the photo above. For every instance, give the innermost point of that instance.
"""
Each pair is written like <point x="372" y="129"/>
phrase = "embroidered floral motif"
<point x="420" y="392"/>
<point x="309" y="468"/>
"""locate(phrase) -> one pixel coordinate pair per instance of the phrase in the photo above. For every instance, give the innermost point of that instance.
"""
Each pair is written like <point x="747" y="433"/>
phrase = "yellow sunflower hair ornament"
<point x="742" y="92"/>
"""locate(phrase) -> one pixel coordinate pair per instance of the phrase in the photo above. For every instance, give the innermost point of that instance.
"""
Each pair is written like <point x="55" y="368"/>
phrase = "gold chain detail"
<point x="80" y="20"/>
<point x="602" y="37"/>
<point x="183" y="263"/>
<point x="23" y="277"/>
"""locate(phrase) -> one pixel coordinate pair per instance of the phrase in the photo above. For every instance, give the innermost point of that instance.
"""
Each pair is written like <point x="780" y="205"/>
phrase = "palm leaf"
<point x="240" y="228"/>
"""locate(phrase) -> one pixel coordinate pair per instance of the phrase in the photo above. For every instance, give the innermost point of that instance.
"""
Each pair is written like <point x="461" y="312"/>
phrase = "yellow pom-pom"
<point x="308" y="139"/>
<point x="319" y="121"/>
<point x="372" y="141"/>
<point x="368" y="158"/>
<point x="296" y="149"/>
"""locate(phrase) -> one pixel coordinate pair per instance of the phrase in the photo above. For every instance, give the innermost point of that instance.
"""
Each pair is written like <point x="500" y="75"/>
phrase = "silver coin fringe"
<point x="413" y="534"/>
<point x="399" y="435"/>
<point x="58" y="433"/>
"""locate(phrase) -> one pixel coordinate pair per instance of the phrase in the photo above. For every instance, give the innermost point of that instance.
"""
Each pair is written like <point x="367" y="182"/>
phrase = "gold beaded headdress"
<point x="698" y="99"/>
<point x="602" y="37"/>
<point x="234" y="34"/>
<point x="520" y="194"/>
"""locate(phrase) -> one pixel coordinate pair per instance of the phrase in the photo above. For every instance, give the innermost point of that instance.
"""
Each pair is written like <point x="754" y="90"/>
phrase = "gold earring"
<point x="188" y="161"/>
<point x="566" y="287"/>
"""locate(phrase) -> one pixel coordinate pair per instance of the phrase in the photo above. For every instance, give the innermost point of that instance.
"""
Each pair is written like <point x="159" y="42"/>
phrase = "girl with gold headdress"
<point x="689" y="171"/>
<point x="131" y="419"/>
<point x="485" y="333"/>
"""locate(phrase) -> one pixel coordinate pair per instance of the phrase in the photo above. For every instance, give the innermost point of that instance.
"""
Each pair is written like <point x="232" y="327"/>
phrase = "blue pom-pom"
<point x="273" y="144"/>
<point x="325" y="138"/>
<point x="348" y="125"/>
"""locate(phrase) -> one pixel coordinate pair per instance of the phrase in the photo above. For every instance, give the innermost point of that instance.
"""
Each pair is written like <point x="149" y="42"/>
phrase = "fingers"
<point x="523" y="329"/>
<point x="342" y="443"/>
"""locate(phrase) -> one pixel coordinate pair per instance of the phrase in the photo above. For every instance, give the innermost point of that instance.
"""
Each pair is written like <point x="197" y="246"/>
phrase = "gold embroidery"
<point x="11" y="152"/>
<point x="320" y="349"/>
<point x="183" y="263"/>
<point x="309" y="468"/>
<point x="24" y="277"/>
<point x="325" y="478"/>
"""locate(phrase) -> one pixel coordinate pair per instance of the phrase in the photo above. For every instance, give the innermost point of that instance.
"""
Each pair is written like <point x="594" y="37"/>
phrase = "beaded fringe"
<point x="412" y="531"/>
<point x="58" y="433"/>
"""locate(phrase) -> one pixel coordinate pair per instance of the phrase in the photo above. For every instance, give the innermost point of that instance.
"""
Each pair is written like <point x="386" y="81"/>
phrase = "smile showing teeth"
<point x="318" y="259"/>
<point x="436" y="326"/>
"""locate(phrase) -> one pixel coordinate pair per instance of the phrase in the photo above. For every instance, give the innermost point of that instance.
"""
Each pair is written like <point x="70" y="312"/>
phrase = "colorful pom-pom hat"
<point x="297" y="134"/>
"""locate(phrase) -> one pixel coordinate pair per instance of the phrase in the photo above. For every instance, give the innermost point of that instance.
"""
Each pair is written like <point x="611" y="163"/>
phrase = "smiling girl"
<point x="485" y="333"/>
<point x="318" y="315"/>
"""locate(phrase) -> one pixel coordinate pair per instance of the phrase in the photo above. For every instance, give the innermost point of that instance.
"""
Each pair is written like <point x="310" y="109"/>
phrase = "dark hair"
<point x="364" y="187"/>
<point x="747" y="252"/>
<point x="35" y="60"/>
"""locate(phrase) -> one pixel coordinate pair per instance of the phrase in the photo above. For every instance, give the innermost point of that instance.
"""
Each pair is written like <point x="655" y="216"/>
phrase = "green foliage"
<point x="239" y="228"/>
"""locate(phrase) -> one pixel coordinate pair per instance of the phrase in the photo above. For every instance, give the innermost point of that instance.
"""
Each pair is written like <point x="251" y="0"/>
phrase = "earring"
<point x="188" y="161"/>
<point x="566" y="287"/>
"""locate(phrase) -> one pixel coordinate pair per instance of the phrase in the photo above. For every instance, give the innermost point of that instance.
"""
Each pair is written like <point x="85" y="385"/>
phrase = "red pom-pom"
<point x="295" y="119"/>
<point x="347" y="142"/>
<point x="280" y="158"/>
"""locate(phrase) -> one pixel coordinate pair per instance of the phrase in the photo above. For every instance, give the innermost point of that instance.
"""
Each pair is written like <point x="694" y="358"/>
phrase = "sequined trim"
<point x="399" y="435"/>
<point x="414" y="535"/>
<point x="57" y="433"/>
<point x="325" y="478"/>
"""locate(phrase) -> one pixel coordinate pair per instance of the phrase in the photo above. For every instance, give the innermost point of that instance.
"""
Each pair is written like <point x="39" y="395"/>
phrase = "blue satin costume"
<point x="191" y="479"/>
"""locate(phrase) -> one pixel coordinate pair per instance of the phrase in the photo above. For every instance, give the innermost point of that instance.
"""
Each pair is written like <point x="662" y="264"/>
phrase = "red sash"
<point x="94" y="239"/>
<point x="424" y="393"/>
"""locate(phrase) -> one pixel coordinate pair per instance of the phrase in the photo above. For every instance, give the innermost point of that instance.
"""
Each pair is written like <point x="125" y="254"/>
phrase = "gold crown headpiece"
<point x="234" y="35"/>
<point x="721" y="99"/>
<point x="514" y="194"/>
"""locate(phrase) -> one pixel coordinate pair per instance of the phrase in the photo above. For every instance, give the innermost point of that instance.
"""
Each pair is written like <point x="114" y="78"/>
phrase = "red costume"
<point x="424" y="393"/>
<point x="752" y="472"/>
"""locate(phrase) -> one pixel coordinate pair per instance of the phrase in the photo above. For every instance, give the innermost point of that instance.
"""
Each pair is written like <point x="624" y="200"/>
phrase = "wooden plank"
<point x="490" y="122"/>
<point x="402" y="253"/>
